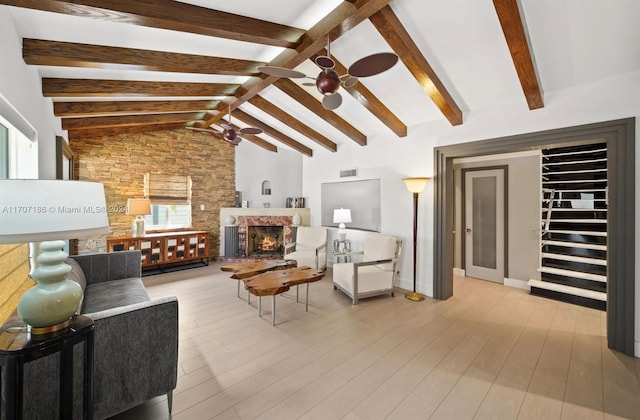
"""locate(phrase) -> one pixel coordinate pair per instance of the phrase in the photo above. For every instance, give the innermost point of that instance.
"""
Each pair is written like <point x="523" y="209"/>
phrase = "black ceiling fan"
<point x="329" y="81"/>
<point x="229" y="133"/>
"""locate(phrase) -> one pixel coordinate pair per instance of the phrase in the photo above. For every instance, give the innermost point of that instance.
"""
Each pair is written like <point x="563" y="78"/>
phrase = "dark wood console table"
<point x="165" y="248"/>
<point x="18" y="346"/>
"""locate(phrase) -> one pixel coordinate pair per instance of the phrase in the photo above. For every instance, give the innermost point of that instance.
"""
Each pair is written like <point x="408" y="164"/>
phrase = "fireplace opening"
<point x="265" y="241"/>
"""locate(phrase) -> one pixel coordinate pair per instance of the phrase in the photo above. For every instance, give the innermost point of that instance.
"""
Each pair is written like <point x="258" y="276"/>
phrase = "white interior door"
<point x="484" y="220"/>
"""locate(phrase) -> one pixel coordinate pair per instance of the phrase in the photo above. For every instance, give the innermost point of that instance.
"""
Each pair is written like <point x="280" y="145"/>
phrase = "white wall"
<point x="390" y="158"/>
<point x="21" y="86"/>
<point x="282" y="169"/>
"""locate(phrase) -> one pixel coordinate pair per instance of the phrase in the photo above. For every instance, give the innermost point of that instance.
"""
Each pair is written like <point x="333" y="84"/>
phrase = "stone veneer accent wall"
<point x="14" y="277"/>
<point x="121" y="161"/>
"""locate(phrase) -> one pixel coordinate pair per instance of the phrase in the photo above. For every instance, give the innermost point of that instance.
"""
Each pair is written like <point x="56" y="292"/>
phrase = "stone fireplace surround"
<point x="244" y="217"/>
<point x="244" y="222"/>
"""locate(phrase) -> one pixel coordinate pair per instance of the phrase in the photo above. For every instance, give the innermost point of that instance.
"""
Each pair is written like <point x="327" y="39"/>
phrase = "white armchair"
<point x="375" y="274"/>
<point x="310" y="248"/>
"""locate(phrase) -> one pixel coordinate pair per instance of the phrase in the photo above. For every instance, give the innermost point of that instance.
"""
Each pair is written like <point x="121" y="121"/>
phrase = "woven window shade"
<point x="167" y="189"/>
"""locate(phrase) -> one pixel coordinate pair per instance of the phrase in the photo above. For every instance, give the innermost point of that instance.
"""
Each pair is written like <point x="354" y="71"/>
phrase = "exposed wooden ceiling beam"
<point x="70" y="54"/>
<point x="261" y="142"/>
<point x="52" y="87"/>
<point x="89" y="133"/>
<point x="173" y="15"/>
<point x="277" y="113"/>
<point x="370" y="101"/>
<point x="79" y="109"/>
<point x="392" y="30"/>
<point x="283" y="138"/>
<point x="340" y="20"/>
<point x="311" y="103"/>
<point x="513" y="28"/>
<point x="253" y="139"/>
<point x="128" y="120"/>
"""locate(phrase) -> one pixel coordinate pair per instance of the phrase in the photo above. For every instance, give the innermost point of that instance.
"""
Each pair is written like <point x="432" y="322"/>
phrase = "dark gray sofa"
<point x="136" y="341"/>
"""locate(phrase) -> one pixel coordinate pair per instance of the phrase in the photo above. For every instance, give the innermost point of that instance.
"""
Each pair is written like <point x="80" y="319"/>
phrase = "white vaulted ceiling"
<point x="571" y="42"/>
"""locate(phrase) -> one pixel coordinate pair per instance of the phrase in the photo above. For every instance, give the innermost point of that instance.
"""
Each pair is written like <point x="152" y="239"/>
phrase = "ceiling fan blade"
<point x="350" y="82"/>
<point x="281" y="72"/>
<point x="332" y="102"/>
<point x="209" y="131"/>
<point x="325" y="62"/>
<point x="373" y="64"/>
<point x="308" y="84"/>
<point x="206" y="130"/>
<point x="250" y="130"/>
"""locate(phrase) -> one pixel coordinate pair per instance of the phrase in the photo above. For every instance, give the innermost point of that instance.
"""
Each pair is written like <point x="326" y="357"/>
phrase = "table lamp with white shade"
<point x="342" y="216"/>
<point x="46" y="212"/>
<point x="138" y="207"/>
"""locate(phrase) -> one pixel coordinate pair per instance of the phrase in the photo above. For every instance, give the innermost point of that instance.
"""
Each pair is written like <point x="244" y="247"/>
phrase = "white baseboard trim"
<point x="458" y="272"/>
<point x="518" y="284"/>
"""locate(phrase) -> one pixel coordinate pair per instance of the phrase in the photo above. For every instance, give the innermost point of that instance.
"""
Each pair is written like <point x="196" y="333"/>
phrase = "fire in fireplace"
<point x="265" y="240"/>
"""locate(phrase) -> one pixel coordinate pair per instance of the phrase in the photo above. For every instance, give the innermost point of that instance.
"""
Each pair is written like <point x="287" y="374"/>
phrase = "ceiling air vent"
<point x="348" y="173"/>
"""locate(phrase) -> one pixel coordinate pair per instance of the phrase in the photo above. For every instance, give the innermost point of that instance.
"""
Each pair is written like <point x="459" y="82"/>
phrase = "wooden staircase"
<point x="573" y="258"/>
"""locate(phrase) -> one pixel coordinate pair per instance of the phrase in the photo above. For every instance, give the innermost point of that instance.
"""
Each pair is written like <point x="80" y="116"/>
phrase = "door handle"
<point x="468" y="230"/>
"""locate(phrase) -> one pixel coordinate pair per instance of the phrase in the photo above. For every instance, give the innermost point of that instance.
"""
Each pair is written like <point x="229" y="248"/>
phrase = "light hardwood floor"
<point x="489" y="352"/>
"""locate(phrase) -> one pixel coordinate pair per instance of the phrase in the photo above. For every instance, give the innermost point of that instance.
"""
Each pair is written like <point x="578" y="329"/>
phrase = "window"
<point x="168" y="216"/>
<point x="4" y="152"/>
<point x="170" y="197"/>
<point x="18" y="153"/>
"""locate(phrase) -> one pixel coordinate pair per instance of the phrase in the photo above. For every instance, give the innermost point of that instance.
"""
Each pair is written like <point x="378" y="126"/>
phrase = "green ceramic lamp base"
<point x="54" y="299"/>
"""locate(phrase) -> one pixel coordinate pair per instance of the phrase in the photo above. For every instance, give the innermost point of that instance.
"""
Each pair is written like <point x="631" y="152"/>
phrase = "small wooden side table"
<point x="18" y="346"/>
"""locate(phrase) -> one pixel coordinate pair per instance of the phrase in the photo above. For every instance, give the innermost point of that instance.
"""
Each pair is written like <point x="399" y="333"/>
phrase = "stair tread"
<point x="576" y="291"/>
<point x="570" y="209"/>
<point x="582" y="171"/>
<point x="571" y="273"/>
<point x="574" y="245"/>
<point x="583" y="190"/>
<point x="580" y="152"/>
<point x="584" y="260"/>
<point x="576" y="181"/>
<point x="578" y="220"/>
<point x="575" y="162"/>
<point x="577" y="232"/>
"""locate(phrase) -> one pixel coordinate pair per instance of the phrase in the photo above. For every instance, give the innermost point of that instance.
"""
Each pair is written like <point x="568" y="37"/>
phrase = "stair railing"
<point x="550" y="200"/>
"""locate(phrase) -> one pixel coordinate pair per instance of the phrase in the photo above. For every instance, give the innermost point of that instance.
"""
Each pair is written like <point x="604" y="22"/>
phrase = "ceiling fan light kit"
<point x="328" y="82"/>
<point x="230" y="135"/>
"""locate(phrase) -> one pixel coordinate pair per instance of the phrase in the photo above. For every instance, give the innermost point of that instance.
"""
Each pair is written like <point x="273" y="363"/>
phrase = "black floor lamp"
<point x="415" y="186"/>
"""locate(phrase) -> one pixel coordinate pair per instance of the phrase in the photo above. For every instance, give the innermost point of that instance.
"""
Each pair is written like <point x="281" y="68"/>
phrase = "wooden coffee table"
<point x="249" y="269"/>
<point x="273" y="283"/>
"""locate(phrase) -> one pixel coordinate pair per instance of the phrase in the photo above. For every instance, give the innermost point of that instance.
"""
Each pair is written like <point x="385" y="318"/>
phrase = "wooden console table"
<point x="165" y="248"/>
